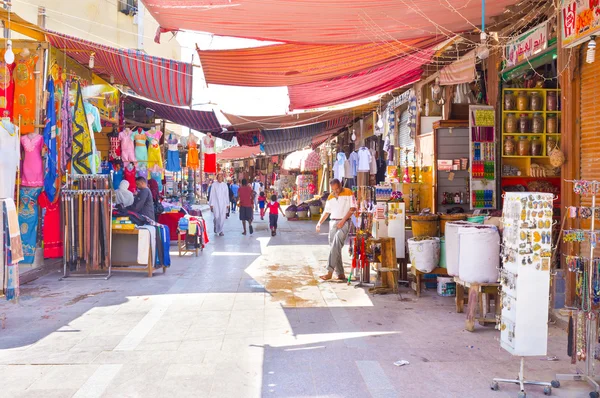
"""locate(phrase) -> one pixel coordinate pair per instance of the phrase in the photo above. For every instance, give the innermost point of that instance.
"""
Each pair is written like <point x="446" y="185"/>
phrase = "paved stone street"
<point x="248" y="318"/>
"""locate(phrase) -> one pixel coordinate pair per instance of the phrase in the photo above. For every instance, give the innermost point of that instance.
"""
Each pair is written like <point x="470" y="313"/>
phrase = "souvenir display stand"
<point x="525" y="279"/>
<point x="482" y="152"/>
<point x="86" y="205"/>
<point x="583" y="327"/>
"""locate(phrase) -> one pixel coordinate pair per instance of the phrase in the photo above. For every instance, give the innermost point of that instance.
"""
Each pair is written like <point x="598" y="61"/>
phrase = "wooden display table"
<point x="477" y="311"/>
<point x="417" y="285"/>
<point x="134" y="266"/>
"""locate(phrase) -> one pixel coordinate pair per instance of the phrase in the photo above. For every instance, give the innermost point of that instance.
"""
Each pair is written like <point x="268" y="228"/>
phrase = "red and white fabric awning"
<point x="325" y="22"/>
<point x="163" y="80"/>
<point x="239" y="152"/>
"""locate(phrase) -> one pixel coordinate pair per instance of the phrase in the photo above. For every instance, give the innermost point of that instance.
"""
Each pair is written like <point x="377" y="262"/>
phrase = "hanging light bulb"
<point x="353" y="135"/>
<point x="112" y="79"/>
<point x="91" y="64"/>
<point x="379" y="122"/>
<point x="9" y="55"/>
<point x="591" y="51"/>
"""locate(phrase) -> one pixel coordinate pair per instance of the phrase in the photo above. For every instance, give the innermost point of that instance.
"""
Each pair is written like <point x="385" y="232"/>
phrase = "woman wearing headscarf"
<point x="124" y="195"/>
<point x="153" y="185"/>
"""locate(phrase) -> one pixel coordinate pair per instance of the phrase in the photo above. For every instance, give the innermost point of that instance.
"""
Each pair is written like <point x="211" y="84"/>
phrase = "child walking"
<point x="274" y="207"/>
<point x="261" y="204"/>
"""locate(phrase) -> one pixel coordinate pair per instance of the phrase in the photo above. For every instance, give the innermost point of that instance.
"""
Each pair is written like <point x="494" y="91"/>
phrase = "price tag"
<point x="450" y="176"/>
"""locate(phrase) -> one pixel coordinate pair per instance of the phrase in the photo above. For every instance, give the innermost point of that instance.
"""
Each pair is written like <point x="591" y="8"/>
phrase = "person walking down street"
<point x="246" y="205"/>
<point x="274" y="208"/>
<point x="219" y="203"/>
<point x="340" y="205"/>
<point x="256" y="187"/>
<point x="261" y="204"/>
<point x="143" y="203"/>
<point x="234" y="189"/>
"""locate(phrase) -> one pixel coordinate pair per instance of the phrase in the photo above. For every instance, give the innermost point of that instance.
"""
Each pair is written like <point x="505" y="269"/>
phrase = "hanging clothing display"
<point x="141" y="150"/>
<point x="28" y="221"/>
<point x="154" y="152"/>
<point x="129" y="176"/>
<point x="173" y="164"/>
<point x="364" y="160"/>
<point x="373" y="162"/>
<point x="117" y="176"/>
<point x="210" y="157"/>
<point x="88" y="224"/>
<point x="66" y="129"/>
<point x="53" y="242"/>
<point x="24" y="96"/>
<point x="127" y="146"/>
<point x="11" y="249"/>
<point x="32" y="172"/>
<point x="51" y="166"/>
<point x="114" y="152"/>
<point x="82" y="138"/>
<point x="142" y="170"/>
<point x="9" y="158"/>
<point x="353" y="159"/>
<point x="338" y="166"/>
<point x="7" y="88"/>
<point x="192" y="160"/>
<point x="92" y="115"/>
<point x="156" y="175"/>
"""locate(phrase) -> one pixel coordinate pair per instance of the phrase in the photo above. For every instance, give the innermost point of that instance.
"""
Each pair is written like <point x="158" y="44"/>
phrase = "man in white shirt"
<point x="256" y="187"/>
<point x="340" y="204"/>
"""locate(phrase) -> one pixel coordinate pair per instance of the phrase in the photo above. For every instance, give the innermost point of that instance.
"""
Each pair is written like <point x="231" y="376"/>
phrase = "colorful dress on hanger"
<point x="141" y="150"/>
<point x="127" y="146"/>
<point x="32" y="172"/>
<point x="210" y="157"/>
<point x="192" y="157"/>
<point x="115" y="147"/>
<point x="53" y="243"/>
<point x="9" y="158"/>
<point x="7" y="88"/>
<point x="129" y="176"/>
<point x="173" y="163"/>
<point x="157" y="176"/>
<point x="66" y="130"/>
<point x="51" y="182"/>
<point x="28" y="221"/>
<point x="117" y="178"/>
<point x="142" y="170"/>
<point x="82" y="147"/>
<point x="24" y="96"/>
<point x="154" y="152"/>
<point x="12" y="248"/>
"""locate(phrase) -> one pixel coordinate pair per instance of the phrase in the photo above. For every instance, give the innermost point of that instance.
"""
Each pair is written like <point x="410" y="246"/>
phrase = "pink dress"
<point x="127" y="146"/>
<point x="32" y="172"/>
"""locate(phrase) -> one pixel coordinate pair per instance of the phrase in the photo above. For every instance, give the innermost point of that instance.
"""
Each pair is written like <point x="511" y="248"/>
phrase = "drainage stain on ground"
<point x="282" y="286"/>
<point x="80" y="297"/>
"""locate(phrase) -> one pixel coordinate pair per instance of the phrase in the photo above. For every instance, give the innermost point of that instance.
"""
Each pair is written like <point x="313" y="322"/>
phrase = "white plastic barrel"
<point x="479" y="254"/>
<point x="424" y="253"/>
<point x="452" y="245"/>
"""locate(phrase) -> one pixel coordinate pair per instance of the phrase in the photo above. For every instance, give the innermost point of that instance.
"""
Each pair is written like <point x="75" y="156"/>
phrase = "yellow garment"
<point x="82" y="142"/>
<point x="154" y="152"/>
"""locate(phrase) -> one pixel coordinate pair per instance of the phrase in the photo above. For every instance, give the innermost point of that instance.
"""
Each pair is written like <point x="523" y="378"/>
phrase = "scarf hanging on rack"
<point x="51" y="165"/>
<point x="11" y="247"/>
<point x="28" y="220"/>
<point x="66" y="129"/>
<point x="82" y="141"/>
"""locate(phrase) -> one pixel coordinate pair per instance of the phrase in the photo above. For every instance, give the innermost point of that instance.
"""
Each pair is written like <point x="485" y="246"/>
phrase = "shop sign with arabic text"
<point x="528" y="44"/>
<point x="580" y="19"/>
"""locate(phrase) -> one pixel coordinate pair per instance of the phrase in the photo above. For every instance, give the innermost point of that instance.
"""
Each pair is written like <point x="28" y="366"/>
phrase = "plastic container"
<point x="290" y="214"/>
<point x="479" y="254"/>
<point x="451" y="245"/>
<point x="442" y="252"/>
<point x="446" y="287"/>
<point x="315" y="210"/>
<point x="476" y="219"/>
<point x="425" y="225"/>
<point x="424" y="253"/>
<point x="302" y="214"/>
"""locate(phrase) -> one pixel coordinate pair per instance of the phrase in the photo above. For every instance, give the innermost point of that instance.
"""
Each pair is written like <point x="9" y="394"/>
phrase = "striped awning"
<point x="203" y="121"/>
<point x="364" y="84"/>
<point x="160" y="79"/>
<point x="289" y="64"/>
<point x="282" y="141"/>
<point x="238" y="152"/>
<point x="325" y="22"/>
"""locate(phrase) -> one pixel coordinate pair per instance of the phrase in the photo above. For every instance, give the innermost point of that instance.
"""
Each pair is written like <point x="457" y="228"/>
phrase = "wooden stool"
<point x="417" y="285"/>
<point x="485" y="292"/>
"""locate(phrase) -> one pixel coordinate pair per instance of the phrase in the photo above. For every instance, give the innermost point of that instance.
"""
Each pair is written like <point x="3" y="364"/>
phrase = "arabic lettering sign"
<point x="528" y="44"/>
<point x="579" y="20"/>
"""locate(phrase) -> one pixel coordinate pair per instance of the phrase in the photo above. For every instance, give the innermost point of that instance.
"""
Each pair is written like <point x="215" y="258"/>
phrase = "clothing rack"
<point x="587" y="374"/>
<point x="86" y="208"/>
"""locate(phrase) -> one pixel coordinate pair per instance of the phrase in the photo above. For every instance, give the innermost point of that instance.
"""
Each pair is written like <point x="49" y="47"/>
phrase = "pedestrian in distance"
<point x="340" y="205"/>
<point x="219" y="203"/>
<point x="246" y="205"/>
<point x="234" y="189"/>
<point x="262" y="199"/>
<point x="274" y="208"/>
<point x="256" y="187"/>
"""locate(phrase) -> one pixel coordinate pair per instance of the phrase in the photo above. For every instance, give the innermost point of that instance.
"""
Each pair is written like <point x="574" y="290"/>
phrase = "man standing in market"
<point x="219" y="203"/>
<point x="234" y="189"/>
<point x="256" y="187"/>
<point x="340" y="205"/>
<point x="246" y="205"/>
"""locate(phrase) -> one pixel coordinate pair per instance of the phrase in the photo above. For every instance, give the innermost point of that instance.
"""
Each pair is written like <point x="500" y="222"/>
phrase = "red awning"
<point x="239" y="152"/>
<point x="378" y="80"/>
<point x="325" y="22"/>
<point x="289" y="64"/>
<point x="160" y="79"/>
